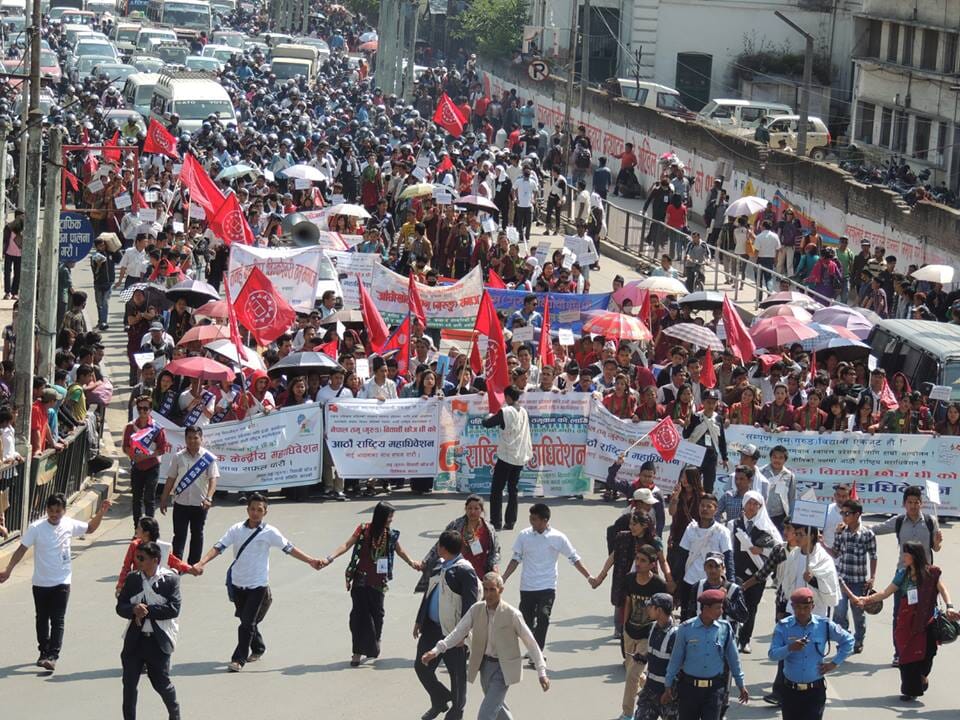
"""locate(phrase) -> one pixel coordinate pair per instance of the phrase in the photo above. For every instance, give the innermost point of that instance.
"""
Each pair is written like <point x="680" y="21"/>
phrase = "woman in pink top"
<point x="12" y="254"/>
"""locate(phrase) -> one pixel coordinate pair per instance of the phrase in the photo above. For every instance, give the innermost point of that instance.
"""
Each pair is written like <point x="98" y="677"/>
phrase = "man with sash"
<point x="192" y="479"/>
<point x="197" y="404"/>
<point x="706" y="429"/>
<point x="144" y="443"/>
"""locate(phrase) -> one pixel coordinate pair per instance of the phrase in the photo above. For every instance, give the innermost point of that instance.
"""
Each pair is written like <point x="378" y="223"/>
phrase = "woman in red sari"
<point x="621" y="402"/>
<point x="810" y="416"/>
<point x="747" y="411"/>
<point x="683" y="408"/>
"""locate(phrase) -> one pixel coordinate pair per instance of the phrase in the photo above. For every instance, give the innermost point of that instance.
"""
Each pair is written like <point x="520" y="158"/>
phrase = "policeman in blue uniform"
<point x="704" y="653"/>
<point x="802" y="641"/>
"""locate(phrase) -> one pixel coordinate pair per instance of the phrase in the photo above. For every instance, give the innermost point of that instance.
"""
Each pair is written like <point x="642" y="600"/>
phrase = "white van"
<point x="147" y="33"/>
<point x="193" y="96"/>
<point x="727" y="113"/>
<point x="786" y="128"/>
<point x="138" y="90"/>
<point x="648" y="94"/>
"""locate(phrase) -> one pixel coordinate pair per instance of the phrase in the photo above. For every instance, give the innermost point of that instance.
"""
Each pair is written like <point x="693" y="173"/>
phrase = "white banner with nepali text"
<point x="446" y="306"/>
<point x="293" y="271"/>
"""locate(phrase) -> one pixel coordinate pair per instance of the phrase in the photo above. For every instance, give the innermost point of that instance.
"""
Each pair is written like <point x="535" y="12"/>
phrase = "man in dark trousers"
<point x="514" y="450"/>
<point x="452" y="590"/>
<point x="150" y="599"/>
<point x="706" y="429"/>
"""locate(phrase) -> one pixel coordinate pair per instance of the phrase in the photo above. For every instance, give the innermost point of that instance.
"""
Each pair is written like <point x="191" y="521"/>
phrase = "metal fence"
<point x="11" y="498"/>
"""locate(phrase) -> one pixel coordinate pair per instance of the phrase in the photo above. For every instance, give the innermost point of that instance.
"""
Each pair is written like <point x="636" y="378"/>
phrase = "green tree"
<point x="493" y="27"/>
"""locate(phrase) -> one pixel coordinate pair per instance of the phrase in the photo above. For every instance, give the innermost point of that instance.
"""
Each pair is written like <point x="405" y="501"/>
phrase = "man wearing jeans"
<point x="192" y="479"/>
<point x="538" y="548"/>
<point x="144" y="443"/>
<point x="101" y="265"/>
<point x="768" y="250"/>
<point x="855" y="550"/>
<point x="525" y="191"/>
<point x="50" y="539"/>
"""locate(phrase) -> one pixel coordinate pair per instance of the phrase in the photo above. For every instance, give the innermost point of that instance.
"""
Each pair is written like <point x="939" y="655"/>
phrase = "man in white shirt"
<point x="192" y="479"/>
<point x="783" y="486"/>
<point x="538" y="548"/>
<point x="700" y="539"/>
<point x="498" y="630"/>
<point x="514" y="450"/>
<point x="332" y="482"/>
<point x="379" y="387"/>
<point x="767" y="244"/>
<point x="525" y="191"/>
<point x="197" y="404"/>
<point x="133" y="263"/>
<point x="248" y="576"/>
<point x="50" y="539"/>
<point x="841" y="493"/>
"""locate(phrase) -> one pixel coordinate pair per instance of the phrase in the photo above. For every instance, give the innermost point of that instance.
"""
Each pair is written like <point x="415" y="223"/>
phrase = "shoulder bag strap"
<point x="244" y="546"/>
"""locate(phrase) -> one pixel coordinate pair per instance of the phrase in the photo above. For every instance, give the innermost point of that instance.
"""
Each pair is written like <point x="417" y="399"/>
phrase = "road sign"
<point x="76" y="236"/>
<point x="538" y="70"/>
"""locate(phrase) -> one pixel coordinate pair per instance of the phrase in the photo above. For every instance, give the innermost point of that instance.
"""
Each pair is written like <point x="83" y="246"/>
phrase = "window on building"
<point x="939" y="153"/>
<point x="921" y="137"/>
<point x="865" y="115"/>
<point x="893" y="43"/>
<point x="908" y="34"/>
<point x="928" y="53"/>
<point x="886" y="121"/>
<point x="949" y="52"/>
<point x="900" y="122"/>
<point x="874" y="33"/>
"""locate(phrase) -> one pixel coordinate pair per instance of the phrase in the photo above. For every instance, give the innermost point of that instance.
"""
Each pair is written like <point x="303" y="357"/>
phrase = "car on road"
<point x="208" y="64"/>
<point x="116" y="72"/>
<point x="84" y="66"/>
<point x="122" y="116"/>
<point x="786" y="128"/>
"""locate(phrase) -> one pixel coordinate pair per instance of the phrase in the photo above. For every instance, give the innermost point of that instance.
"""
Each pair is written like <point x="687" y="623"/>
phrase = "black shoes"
<point x="433" y="713"/>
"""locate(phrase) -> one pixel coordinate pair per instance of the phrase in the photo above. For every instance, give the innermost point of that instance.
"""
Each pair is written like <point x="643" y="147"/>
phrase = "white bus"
<point x="188" y="17"/>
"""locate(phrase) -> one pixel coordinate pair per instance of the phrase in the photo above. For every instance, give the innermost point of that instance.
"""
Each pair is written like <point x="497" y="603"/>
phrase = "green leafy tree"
<point x="493" y="27"/>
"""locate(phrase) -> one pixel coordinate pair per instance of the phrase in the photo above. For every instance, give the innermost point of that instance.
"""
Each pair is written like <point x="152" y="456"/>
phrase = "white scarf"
<point x="150" y="596"/>
<point x="707" y="424"/>
<point x="827" y="593"/>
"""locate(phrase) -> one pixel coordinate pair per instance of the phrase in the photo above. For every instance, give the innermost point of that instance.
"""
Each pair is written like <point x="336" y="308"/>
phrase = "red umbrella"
<point x="200" y="367"/>
<point x="369" y="46"/>
<point x="216" y="309"/>
<point x="204" y="334"/>
<point x="777" y="331"/>
<point x="616" y="325"/>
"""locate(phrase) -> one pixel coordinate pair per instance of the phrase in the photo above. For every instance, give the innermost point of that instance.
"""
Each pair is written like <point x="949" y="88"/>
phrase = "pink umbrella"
<point x="216" y="309"/>
<point x="616" y="325"/>
<point x="369" y="46"/>
<point x="841" y="316"/>
<point x="629" y="292"/>
<point x="204" y="334"/>
<point x="200" y="367"/>
<point x="777" y="331"/>
<point x="791" y="311"/>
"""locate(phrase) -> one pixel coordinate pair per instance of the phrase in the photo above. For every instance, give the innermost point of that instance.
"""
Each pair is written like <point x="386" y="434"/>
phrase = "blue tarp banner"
<point x="560" y="304"/>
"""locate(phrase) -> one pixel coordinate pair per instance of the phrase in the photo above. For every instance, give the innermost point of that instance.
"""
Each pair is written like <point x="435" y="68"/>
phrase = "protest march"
<point x="280" y="286"/>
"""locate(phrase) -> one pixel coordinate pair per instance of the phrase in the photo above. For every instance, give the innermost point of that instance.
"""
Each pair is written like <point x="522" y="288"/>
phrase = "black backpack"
<point x="930" y="529"/>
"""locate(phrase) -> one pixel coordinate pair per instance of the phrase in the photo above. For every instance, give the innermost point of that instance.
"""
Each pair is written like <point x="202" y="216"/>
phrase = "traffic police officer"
<point x="801" y="641"/>
<point x="704" y="652"/>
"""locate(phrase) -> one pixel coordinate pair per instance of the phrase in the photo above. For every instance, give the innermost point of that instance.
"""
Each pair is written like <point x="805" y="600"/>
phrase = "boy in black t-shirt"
<point x="638" y="589"/>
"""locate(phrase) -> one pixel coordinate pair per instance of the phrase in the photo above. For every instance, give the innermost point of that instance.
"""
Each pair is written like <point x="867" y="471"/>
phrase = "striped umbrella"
<point x="695" y="335"/>
<point x="828" y="336"/>
<point x="616" y="325"/>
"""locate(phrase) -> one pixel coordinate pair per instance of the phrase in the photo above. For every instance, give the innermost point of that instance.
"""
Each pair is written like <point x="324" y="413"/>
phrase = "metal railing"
<point x="12" y="498"/>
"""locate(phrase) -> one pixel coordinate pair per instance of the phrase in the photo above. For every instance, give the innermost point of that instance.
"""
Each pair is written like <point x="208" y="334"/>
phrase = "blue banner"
<point x="560" y="304"/>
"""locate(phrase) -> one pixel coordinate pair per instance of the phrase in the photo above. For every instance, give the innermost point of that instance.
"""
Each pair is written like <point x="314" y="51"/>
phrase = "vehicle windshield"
<point x="200" y="109"/>
<point x="951" y="378"/>
<point x="194" y="18"/>
<point x="286" y="69"/>
<point x="48" y="58"/>
<point x="669" y="101"/>
<point x="130" y="35"/>
<point x="201" y="63"/>
<point x="223" y="55"/>
<point x="235" y="41"/>
<point x="88" y="62"/>
<point x="175" y="55"/>
<point x="144" y="93"/>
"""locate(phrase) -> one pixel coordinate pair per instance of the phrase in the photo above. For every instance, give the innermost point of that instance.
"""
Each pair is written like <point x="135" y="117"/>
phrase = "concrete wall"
<point x="818" y="192"/>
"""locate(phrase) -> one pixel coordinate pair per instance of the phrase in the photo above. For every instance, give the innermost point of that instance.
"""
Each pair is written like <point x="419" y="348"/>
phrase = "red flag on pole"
<point x="738" y="338"/>
<point x="90" y="165"/>
<point x="708" y="376"/>
<point x="495" y="359"/>
<point x="260" y="309"/>
<point x="159" y="140"/>
<point x="376" y="328"/>
<point x="665" y="439"/>
<point x="853" y="491"/>
<point x="645" y="309"/>
<point x="813" y="365"/>
<point x="230" y="224"/>
<point x="495" y="281"/>
<point x="203" y="191"/>
<point x="444" y="165"/>
<point x="448" y="116"/>
<point x="399" y="340"/>
<point x="72" y="180"/>
<point x="414" y="301"/>
<point x="330" y="349"/>
<point x="545" y="350"/>
<point x="114" y="142"/>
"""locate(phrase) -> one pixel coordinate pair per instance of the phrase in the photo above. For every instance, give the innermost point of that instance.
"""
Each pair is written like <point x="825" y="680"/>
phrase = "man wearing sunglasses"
<point x="144" y="443"/>
<point x="855" y="550"/>
<point x="802" y="641"/>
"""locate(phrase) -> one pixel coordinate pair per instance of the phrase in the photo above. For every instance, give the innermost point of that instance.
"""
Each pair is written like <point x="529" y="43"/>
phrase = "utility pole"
<point x="26" y="318"/>
<point x="568" y="100"/>
<point x="388" y="44"/>
<point x="807" y="83"/>
<point x="408" y="79"/>
<point x="4" y="129"/>
<point x="585" y="57"/>
<point x="305" y="25"/>
<point x="47" y="294"/>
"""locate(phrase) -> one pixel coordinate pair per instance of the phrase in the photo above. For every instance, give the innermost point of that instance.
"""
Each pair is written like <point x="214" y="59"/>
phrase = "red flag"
<point x="645" y="309"/>
<point x="414" y="301"/>
<point x="202" y="189"/>
<point x="444" y="165"/>
<point x="399" y="340"/>
<point x="263" y="311"/>
<point x="376" y="328"/>
<point x="90" y="165"/>
<point x="330" y="349"/>
<point x="495" y="281"/>
<point x="708" y="376"/>
<point x="853" y="491"/>
<point x="113" y="142"/>
<point x="665" y="439"/>
<point x="495" y="362"/>
<point x="887" y="399"/>
<point x="738" y="338"/>
<point x="72" y="180"/>
<point x="230" y="224"/>
<point x="449" y="117"/>
<point x="138" y="201"/>
<point x="159" y="140"/>
<point x="545" y="351"/>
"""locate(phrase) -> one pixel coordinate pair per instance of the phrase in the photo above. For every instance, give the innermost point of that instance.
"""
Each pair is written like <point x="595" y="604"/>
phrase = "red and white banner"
<point x="294" y="272"/>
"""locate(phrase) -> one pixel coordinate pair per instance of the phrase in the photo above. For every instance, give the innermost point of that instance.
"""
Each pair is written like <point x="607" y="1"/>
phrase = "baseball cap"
<point x="158" y="326"/>
<point x="750" y="450"/>
<point x="714" y="557"/>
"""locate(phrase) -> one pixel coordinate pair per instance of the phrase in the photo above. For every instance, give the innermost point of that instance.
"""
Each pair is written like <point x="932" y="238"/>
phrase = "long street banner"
<point x="567" y="310"/>
<point x="446" y="306"/>
<point x="293" y="271"/>
<point x="279" y="450"/>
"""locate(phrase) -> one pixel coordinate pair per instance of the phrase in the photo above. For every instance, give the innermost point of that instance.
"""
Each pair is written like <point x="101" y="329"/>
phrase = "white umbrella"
<point x="661" y="285"/>
<point x="942" y="274"/>
<point x="368" y="36"/>
<point x="303" y="172"/>
<point x="747" y="205"/>
<point x="227" y="348"/>
<point x="356" y="211"/>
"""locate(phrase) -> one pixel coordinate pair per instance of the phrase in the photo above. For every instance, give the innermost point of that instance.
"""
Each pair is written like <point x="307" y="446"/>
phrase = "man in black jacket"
<point x="150" y="599"/>
<point x="706" y="429"/>
<point x="658" y="198"/>
<point x="452" y="590"/>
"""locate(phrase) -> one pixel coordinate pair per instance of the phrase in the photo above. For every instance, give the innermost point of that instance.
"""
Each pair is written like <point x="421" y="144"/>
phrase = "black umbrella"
<point x="302" y="363"/>
<point x="703" y="300"/>
<point x="155" y="295"/>
<point x="196" y="292"/>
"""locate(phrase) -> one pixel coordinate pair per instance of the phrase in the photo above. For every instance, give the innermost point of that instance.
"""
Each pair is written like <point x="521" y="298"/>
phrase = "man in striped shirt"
<point x="659" y="647"/>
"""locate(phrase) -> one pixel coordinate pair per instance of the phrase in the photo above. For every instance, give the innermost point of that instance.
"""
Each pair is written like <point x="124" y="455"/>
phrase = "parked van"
<point x="648" y="94"/>
<point x="124" y="36"/>
<point x="138" y="90"/>
<point x="923" y="350"/>
<point x="288" y="60"/>
<point x="193" y="96"/>
<point x="147" y="33"/>
<point x="787" y="127"/>
<point x="728" y="113"/>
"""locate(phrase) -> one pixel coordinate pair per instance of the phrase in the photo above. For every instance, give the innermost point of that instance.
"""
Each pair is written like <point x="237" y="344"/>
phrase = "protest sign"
<point x="294" y="272"/>
<point x="882" y="465"/>
<point x="121" y="202"/>
<point x="350" y="266"/>
<point x="940" y="393"/>
<point x="280" y="450"/>
<point x="543" y="251"/>
<point x="565" y="336"/>
<point x="809" y="513"/>
<point x="390" y="439"/>
<point x="558" y="429"/>
<point x="524" y="334"/>
<point x="147" y="214"/>
<point x="581" y="247"/>
<point x="562" y="305"/>
<point x="446" y="306"/>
